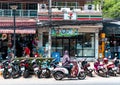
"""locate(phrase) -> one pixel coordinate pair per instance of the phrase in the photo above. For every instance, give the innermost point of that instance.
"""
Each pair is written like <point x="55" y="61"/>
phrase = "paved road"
<point x="96" y="80"/>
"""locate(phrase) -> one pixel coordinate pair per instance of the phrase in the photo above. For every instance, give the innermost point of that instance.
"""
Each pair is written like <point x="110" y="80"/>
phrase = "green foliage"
<point x="111" y="9"/>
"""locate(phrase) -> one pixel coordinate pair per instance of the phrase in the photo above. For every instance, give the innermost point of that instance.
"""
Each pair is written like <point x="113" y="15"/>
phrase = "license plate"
<point x="44" y="70"/>
<point x="10" y="69"/>
<point x="115" y="68"/>
<point x="89" y="68"/>
<point x="1" y="70"/>
<point x="36" y="69"/>
<point x="22" y="68"/>
<point x="51" y="68"/>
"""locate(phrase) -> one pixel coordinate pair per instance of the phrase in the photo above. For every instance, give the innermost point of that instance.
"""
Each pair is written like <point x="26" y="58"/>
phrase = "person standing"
<point x="27" y="51"/>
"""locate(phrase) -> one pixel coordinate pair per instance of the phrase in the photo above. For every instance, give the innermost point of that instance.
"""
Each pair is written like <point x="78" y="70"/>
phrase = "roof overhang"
<point x="67" y="22"/>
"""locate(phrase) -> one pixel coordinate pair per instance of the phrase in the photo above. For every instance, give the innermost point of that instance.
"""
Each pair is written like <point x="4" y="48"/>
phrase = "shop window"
<point x="88" y="44"/>
<point x="0" y="5"/>
<point x="5" y="6"/>
<point x="31" y="6"/>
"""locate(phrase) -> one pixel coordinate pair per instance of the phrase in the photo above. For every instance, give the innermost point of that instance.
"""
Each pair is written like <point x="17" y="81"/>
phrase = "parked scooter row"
<point x="24" y="68"/>
<point x="79" y="69"/>
<point x="106" y="68"/>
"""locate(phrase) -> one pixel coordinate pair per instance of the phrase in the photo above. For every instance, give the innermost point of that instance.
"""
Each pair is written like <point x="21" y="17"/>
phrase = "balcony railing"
<point x="24" y="13"/>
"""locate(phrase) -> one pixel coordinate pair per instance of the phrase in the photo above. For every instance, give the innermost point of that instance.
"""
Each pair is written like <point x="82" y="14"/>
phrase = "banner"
<point x="64" y="32"/>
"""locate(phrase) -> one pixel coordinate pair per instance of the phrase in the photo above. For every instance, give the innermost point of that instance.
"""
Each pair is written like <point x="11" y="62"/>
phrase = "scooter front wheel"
<point x="58" y="75"/>
<point x="81" y="76"/>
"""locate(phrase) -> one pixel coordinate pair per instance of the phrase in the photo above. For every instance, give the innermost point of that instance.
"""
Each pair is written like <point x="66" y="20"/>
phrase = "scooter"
<point x="7" y="69"/>
<point x="15" y="69"/>
<point x="117" y="64"/>
<point x="99" y="69"/>
<point x="61" y="72"/>
<point x="86" y="66"/>
<point x="25" y="68"/>
<point x="36" y="68"/>
<point x="45" y="69"/>
<point x="112" y="70"/>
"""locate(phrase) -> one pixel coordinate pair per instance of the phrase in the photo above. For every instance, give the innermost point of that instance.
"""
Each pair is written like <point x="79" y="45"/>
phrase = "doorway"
<point x="65" y="43"/>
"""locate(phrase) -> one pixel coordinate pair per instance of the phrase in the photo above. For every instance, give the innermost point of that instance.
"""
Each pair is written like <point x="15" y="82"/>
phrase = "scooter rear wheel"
<point x="26" y="74"/>
<point x="6" y="75"/>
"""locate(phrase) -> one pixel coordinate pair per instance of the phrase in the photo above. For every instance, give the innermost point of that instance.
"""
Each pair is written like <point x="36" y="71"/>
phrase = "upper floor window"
<point x="66" y="4"/>
<point x="25" y="6"/>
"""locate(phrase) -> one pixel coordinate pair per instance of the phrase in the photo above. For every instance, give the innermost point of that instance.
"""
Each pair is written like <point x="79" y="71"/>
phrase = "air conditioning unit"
<point x="89" y="7"/>
<point x="43" y="6"/>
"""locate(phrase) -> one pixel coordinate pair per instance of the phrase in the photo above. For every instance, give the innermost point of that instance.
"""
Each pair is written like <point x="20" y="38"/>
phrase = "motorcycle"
<point x="99" y="69"/>
<point x="25" y="68"/>
<point x="117" y="64"/>
<point x="36" y="68"/>
<point x="15" y="69"/>
<point x="86" y="66"/>
<point x="61" y="72"/>
<point x="45" y="69"/>
<point x="112" y="70"/>
<point x="7" y="69"/>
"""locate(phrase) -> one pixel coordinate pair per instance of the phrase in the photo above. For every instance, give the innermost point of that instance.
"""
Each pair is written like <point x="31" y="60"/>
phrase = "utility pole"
<point x="50" y="25"/>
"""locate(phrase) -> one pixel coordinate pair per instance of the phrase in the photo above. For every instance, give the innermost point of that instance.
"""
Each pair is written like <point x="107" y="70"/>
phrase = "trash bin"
<point x="56" y="56"/>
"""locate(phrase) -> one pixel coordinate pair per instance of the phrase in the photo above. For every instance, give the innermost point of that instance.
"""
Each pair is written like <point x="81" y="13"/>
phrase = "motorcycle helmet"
<point x="105" y="60"/>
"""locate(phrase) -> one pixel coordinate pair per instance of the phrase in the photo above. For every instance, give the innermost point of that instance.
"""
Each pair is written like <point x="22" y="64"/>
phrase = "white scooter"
<point x="61" y="72"/>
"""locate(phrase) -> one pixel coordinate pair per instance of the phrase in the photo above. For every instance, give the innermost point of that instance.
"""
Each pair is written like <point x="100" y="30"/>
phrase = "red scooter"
<point x="111" y="68"/>
<point x="99" y="69"/>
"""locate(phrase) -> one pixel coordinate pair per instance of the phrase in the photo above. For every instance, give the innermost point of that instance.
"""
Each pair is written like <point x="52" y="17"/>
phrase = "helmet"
<point x="105" y="60"/>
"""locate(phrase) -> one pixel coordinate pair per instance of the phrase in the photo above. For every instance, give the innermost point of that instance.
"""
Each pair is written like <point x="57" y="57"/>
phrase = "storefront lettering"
<point x="64" y="32"/>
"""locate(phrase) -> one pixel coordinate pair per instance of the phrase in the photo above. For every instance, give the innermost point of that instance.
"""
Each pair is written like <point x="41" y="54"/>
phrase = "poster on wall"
<point x="64" y="32"/>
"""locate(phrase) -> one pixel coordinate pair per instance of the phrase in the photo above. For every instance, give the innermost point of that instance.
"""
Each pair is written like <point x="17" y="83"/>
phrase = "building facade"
<point x="57" y="25"/>
<point x="70" y="25"/>
<point x="25" y="29"/>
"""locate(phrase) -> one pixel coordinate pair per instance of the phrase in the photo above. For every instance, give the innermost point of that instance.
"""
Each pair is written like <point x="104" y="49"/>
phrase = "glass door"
<point x="65" y="44"/>
<point x="72" y="46"/>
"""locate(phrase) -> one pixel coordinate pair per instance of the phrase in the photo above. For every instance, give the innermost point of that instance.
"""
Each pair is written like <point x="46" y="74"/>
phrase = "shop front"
<point x="25" y="34"/>
<point x="112" y="46"/>
<point x="81" y="41"/>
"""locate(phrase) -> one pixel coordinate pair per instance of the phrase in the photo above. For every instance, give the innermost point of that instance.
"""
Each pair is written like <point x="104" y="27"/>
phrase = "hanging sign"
<point x="64" y="32"/>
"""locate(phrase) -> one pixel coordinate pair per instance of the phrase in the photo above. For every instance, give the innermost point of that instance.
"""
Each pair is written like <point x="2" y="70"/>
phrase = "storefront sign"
<point x="70" y="16"/>
<point x="64" y="32"/>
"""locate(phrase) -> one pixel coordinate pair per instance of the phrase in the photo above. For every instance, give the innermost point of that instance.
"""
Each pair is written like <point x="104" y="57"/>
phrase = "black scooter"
<point x="15" y="69"/>
<point x="7" y="69"/>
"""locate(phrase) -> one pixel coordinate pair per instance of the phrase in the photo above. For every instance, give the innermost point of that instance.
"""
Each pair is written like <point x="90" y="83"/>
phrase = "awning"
<point x="22" y="31"/>
<point x="21" y="27"/>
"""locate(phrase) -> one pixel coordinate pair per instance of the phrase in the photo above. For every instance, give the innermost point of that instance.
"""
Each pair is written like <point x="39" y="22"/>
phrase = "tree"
<point x="111" y="8"/>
